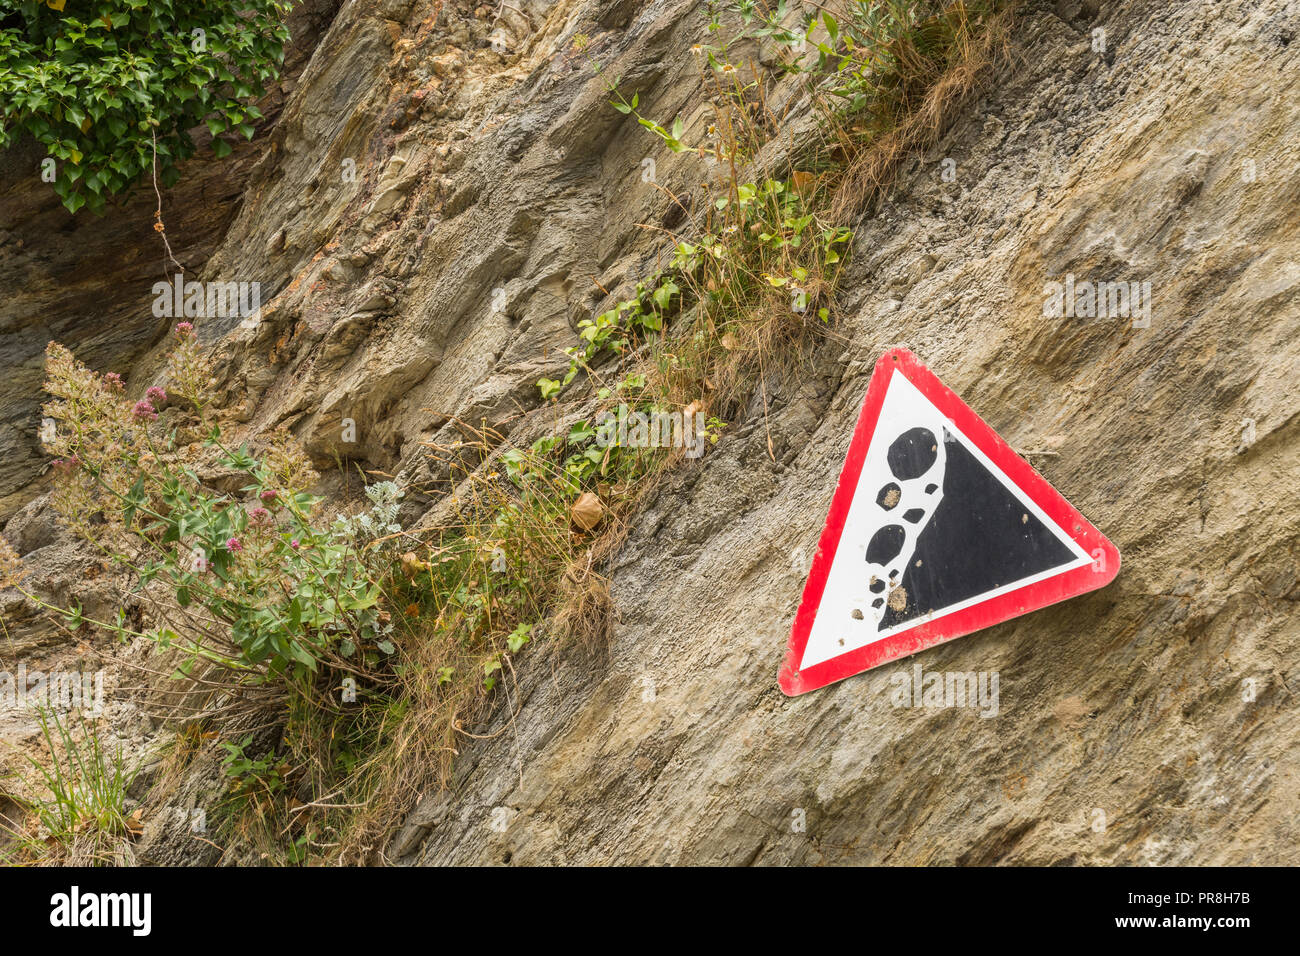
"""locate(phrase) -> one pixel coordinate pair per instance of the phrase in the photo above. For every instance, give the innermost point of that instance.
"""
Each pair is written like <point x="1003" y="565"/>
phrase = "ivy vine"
<point x="98" y="84"/>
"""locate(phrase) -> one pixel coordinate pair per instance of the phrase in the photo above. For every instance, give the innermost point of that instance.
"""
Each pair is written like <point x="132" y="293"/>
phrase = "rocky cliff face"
<point x="87" y="282"/>
<point x="429" y="216"/>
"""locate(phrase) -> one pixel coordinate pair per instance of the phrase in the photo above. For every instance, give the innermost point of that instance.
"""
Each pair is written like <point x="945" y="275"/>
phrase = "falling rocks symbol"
<point x="936" y="529"/>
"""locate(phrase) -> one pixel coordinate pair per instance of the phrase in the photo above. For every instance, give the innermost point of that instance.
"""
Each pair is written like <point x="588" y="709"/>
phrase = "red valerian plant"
<point x="266" y="594"/>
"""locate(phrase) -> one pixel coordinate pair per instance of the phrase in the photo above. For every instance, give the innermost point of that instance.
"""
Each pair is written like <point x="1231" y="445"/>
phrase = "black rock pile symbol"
<point x="916" y="459"/>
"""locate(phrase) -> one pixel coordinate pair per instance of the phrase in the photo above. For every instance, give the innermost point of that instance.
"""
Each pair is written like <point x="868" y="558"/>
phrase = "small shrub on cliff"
<point x="742" y="293"/>
<point x="876" y="58"/>
<point x="509" y="565"/>
<point x="883" y="75"/>
<point x="376" y="648"/>
<point x="104" y="86"/>
<point x="258" y="581"/>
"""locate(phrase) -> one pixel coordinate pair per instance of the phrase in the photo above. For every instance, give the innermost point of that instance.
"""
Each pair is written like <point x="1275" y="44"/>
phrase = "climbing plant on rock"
<point x="98" y="83"/>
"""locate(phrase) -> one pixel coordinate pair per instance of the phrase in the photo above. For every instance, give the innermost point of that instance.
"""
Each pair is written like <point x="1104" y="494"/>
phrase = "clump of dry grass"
<point x="940" y="64"/>
<point x="507" y="563"/>
<point x="585" y="609"/>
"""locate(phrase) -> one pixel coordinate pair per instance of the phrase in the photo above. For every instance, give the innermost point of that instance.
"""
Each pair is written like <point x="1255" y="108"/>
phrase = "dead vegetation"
<point x="942" y="65"/>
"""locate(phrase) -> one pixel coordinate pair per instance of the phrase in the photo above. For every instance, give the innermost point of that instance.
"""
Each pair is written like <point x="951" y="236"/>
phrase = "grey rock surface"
<point x="497" y="199"/>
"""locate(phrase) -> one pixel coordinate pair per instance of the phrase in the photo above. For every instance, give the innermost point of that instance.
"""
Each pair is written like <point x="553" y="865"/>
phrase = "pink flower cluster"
<point x="144" y="411"/>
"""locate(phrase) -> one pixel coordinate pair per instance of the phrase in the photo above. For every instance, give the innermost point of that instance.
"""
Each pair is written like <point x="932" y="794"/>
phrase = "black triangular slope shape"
<point x="980" y="538"/>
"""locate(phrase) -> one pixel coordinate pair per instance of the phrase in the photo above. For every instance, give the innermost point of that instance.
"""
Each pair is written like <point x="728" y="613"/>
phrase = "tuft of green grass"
<point x="80" y="817"/>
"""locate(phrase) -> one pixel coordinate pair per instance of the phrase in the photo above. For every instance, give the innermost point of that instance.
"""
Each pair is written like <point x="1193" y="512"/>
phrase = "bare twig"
<point x="157" y="216"/>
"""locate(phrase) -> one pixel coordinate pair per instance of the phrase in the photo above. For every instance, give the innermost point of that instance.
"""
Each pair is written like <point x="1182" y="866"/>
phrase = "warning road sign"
<point x="936" y="529"/>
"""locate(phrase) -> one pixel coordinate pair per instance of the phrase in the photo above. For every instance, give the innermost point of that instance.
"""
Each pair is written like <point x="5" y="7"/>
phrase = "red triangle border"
<point x="947" y="627"/>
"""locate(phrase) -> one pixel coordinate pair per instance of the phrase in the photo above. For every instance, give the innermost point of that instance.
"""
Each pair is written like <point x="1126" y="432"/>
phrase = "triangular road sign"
<point x="937" y="529"/>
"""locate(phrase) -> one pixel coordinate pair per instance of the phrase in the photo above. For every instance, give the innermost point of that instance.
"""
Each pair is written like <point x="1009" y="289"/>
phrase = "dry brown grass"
<point x="872" y="164"/>
<point x="554" y="579"/>
<point x="585" y="613"/>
